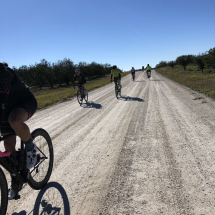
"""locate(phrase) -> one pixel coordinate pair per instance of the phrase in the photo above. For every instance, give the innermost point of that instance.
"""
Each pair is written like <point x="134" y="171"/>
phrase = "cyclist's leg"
<point x="16" y="119"/>
<point x="115" y="81"/>
<point x="84" y="85"/>
<point x="81" y="87"/>
<point x="6" y="129"/>
<point x="119" y="82"/>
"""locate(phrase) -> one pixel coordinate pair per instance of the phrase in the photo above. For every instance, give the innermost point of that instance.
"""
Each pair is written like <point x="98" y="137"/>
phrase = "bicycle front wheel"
<point x="3" y="193"/>
<point x="79" y="97"/>
<point x="41" y="172"/>
<point x="86" y="97"/>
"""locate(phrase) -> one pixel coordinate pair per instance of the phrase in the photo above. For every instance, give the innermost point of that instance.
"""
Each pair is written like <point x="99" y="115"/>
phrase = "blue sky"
<point x="122" y="32"/>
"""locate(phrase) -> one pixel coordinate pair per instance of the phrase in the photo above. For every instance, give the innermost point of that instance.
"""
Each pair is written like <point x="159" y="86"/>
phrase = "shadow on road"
<point x="52" y="199"/>
<point x="156" y="80"/>
<point x="140" y="81"/>
<point x="128" y="98"/>
<point x="92" y="105"/>
<point x="20" y="213"/>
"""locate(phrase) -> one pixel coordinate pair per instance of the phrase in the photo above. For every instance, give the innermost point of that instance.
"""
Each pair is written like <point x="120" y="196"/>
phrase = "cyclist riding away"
<point x="79" y="76"/>
<point x="148" y="70"/>
<point x="17" y="105"/>
<point x="116" y="74"/>
<point x="133" y="72"/>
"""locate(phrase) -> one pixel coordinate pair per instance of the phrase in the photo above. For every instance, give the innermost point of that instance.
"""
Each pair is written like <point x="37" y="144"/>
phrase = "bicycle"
<point x="37" y="177"/>
<point x="81" y="95"/>
<point x="148" y="72"/>
<point x="117" y="89"/>
<point x="133" y="76"/>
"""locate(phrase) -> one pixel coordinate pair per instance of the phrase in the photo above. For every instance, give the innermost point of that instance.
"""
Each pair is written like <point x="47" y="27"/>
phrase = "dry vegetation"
<point x="192" y="78"/>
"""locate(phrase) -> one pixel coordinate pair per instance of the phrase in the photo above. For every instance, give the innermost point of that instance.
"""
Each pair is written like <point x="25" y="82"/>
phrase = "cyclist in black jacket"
<point x="17" y="105"/>
<point x="79" y="76"/>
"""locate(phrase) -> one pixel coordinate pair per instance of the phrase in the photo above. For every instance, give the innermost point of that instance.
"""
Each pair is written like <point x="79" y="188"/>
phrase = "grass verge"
<point x="47" y="96"/>
<point x="192" y="78"/>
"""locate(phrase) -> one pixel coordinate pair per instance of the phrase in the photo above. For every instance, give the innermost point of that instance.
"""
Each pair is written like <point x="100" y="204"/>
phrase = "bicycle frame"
<point x="7" y="165"/>
<point x="81" y="88"/>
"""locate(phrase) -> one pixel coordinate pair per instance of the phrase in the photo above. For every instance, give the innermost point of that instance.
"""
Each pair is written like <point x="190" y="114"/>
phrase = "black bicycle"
<point x="133" y="76"/>
<point x="148" y="72"/>
<point x="37" y="177"/>
<point x="81" y="94"/>
<point x="117" y="89"/>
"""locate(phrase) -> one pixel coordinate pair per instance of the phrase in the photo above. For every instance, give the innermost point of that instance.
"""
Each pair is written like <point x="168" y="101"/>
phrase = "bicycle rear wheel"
<point x="3" y="193"/>
<point x="41" y="172"/>
<point x="79" y="97"/>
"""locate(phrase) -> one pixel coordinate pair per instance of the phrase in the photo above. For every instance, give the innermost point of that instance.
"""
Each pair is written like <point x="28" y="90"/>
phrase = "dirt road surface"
<point x="150" y="152"/>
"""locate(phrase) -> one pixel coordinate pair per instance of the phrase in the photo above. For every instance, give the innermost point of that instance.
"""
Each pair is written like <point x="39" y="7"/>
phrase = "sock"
<point x="29" y="144"/>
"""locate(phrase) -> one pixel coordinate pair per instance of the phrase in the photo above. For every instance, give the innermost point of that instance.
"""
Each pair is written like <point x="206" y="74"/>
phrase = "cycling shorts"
<point x="116" y="79"/>
<point x="29" y="105"/>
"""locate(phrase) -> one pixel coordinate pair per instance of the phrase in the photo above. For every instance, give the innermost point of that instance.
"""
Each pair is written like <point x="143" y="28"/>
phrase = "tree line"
<point x="205" y="60"/>
<point x="62" y="72"/>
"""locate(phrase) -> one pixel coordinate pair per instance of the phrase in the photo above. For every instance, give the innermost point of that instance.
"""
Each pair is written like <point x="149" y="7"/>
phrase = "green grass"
<point x="46" y="96"/>
<point x="192" y="78"/>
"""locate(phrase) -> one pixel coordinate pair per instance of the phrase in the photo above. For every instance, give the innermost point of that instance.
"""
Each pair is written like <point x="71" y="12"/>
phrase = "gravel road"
<point x="150" y="152"/>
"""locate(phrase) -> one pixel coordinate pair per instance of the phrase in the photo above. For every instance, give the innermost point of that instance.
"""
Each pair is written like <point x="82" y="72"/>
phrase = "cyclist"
<point x="148" y="70"/>
<point x="132" y="72"/>
<point x="17" y="105"/>
<point x="79" y="76"/>
<point x="116" y="74"/>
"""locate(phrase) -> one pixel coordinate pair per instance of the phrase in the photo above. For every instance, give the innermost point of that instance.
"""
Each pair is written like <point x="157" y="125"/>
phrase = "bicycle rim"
<point x="79" y="97"/>
<point x="3" y="193"/>
<point x="116" y="92"/>
<point x="41" y="173"/>
<point x="120" y="92"/>
<point x="86" y="97"/>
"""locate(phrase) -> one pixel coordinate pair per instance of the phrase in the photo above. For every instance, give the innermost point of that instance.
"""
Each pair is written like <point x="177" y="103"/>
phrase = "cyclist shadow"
<point x="92" y="105"/>
<point x="52" y="199"/>
<point x="128" y="98"/>
<point x="20" y="213"/>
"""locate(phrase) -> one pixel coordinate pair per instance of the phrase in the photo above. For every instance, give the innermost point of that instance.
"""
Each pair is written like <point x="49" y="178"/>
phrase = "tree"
<point x="211" y="58"/>
<point x="200" y="63"/>
<point x="161" y="64"/>
<point x="184" y="60"/>
<point x="171" y="63"/>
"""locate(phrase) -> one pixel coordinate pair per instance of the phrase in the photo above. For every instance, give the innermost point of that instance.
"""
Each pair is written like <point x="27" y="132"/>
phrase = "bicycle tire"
<point x="3" y="193"/>
<point x="86" y="97"/>
<point x="40" y="176"/>
<point x="79" y="97"/>
<point x="116" y="92"/>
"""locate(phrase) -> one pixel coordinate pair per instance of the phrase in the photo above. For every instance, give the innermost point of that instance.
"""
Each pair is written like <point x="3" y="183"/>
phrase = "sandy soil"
<point x="150" y="152"/>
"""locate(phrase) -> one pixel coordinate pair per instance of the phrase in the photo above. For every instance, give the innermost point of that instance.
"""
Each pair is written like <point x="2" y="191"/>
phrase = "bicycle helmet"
<point x="114" y="67"/>
<point x="77" y="70"/>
